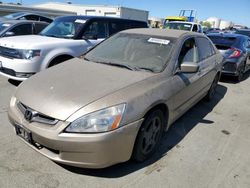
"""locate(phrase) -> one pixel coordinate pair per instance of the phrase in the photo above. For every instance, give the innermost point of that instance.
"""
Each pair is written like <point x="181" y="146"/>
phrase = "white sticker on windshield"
<point x="6" y="25"/>
<point x="187" y="25"/>
<point x="159" y="41"/>
<point x="80" y="21"/>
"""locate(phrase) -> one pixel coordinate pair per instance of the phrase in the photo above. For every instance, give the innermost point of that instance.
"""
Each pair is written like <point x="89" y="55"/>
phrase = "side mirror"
<point x="189" y="67"/>
<point x="9" y="34"/>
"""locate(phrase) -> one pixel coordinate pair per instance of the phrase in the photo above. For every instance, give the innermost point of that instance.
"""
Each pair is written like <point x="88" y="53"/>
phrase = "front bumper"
<point x="18" y="69"/>
<point x="97" y="150"/>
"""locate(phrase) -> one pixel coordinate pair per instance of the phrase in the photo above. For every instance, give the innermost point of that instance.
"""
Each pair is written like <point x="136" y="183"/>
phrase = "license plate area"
<point x="23" y="133"/>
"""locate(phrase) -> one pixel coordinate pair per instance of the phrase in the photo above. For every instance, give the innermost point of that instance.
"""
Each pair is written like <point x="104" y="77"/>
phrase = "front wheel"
<point x="149" y="136"/>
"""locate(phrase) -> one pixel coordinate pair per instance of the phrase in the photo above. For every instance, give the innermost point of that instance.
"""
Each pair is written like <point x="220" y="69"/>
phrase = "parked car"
<point x="26" y="16"/>
<point x="63" y="39"/>
<point x="21" y="27"/>
<point x="243" y="32"/>
<point x="117" y="101"/>
<point x="236" y="51"/>
<point x="187" y="26"/>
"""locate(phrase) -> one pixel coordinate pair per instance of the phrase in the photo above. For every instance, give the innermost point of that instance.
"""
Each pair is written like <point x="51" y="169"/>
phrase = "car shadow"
<point x="170" y="139"/>
<point x="233" y="80"/>
<point x="14" y="82"/>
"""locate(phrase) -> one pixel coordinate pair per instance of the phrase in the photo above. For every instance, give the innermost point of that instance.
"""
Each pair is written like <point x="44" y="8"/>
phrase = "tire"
<point x="212" y="89"/>
<point x="241" y="73"/>
<point x="149" y="136"/>
<point x="59" y="60"/>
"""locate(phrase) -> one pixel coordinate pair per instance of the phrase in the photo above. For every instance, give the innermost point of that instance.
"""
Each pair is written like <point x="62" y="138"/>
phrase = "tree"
<point x="206" y="24"/>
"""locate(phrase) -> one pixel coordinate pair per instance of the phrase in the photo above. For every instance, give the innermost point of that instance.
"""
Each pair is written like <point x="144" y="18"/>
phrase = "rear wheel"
<point x="149" y="136"/>
<point x="241" y="73"/>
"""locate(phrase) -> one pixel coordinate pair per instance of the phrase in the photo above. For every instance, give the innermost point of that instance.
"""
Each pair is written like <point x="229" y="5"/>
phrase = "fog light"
<point x="23" y="75"/>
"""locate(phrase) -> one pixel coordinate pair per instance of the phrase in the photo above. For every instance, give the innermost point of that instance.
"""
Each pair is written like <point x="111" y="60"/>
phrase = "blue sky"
<point x="237" y="11"/>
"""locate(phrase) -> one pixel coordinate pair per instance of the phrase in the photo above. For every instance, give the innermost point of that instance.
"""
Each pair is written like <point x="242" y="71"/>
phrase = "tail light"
<point x="235" y="53"/>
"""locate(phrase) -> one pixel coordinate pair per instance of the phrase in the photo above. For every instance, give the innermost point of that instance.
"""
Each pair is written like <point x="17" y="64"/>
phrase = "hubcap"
<point x="151" y="135"/>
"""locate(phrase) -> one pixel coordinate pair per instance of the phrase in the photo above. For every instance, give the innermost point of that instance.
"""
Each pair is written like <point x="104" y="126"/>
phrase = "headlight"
<point x="29" y="54"/>
<point x="99" y="121"/>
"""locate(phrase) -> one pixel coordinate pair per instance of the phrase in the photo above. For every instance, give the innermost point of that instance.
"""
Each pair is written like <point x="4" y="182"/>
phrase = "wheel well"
<point x="163" y="107"/>
<point x="60" y="59"/>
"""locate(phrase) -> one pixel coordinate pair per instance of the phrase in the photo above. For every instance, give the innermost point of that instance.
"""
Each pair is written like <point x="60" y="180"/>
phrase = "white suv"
<point x="187" y="26"/>
<point x="65" y="38"/>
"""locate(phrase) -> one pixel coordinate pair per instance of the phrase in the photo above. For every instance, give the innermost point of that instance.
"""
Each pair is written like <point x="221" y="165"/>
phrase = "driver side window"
<point x="97" y="29"/>
<point x="189" y="52"/>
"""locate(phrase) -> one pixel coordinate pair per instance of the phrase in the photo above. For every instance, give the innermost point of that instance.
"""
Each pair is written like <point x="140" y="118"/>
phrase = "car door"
<point x="207" y="62"/>
<point x="95" y="32"/>
<point x="22" y="29"/>
<point x="187" y="86"/>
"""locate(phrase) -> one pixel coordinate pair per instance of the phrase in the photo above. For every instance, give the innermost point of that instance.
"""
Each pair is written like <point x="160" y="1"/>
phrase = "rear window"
<point x="223" y="43"/>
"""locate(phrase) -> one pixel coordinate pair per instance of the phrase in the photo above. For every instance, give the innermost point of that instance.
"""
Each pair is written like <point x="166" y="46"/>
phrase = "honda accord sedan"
<point x="115" y="102"/>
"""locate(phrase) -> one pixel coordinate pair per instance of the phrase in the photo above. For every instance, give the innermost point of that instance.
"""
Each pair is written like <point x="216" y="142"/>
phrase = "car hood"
<point x="62" y="90"/>
<point x="29" y="41"/>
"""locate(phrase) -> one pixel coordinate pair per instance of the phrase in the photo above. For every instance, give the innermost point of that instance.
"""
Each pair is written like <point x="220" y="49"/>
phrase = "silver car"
<point x="116" y="102"/>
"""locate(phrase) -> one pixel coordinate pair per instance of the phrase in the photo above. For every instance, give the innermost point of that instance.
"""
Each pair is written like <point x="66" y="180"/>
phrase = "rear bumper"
<point x="231" y="68"/>
<point x="97" y="150"/>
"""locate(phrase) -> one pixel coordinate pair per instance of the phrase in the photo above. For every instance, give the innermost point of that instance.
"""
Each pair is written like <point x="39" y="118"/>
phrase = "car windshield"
<point x="178" y="26"/>
<point x="14" y="15"/>
<point x="4" y="26"/>
<point x="223" y="43"/>
<point x="133" y="51"/>
<point x="62" y="29"/>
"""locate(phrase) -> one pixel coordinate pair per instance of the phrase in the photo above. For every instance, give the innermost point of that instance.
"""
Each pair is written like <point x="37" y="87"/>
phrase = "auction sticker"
<point x="80" y="21"/>
<point x="159" y="41"/>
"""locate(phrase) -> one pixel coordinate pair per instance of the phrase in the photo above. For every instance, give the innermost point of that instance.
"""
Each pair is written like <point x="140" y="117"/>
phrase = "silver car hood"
<point x="30" y="41"/>
<point x="62" y="90"/>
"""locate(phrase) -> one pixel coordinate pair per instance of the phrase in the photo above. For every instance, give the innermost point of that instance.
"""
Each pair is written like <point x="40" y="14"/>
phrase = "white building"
<point x="215" y="22"/>
<point x="155" y="22"/>
<point x="225" y="24"/>
<point x="97" y="10"/>
<point x="219" y="23"/>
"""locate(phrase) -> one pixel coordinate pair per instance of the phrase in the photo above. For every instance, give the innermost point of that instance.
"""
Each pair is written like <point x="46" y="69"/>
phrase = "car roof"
<point x="184" y="22"/>
<point x="243" y="30"/>
<point x="29" y="13"/>
<point x="172" y="33"/>
<point x="93" y="17"/>
<point x="22" y="21"/>
<point x="226" y="35"/>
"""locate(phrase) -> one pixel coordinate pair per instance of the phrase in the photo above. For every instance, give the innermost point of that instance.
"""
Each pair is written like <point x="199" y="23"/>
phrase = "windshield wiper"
<point x="144" y="69"/>
<point x="86" y="59"/>
<point x="117" y="65"/>
<point x="50" y="35"/>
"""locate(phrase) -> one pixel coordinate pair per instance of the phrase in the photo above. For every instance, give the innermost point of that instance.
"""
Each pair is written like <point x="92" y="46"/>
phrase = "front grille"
<point x="9" y="53"/>
<point x="37" y="117"/>
<point x="230" y="67"/>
